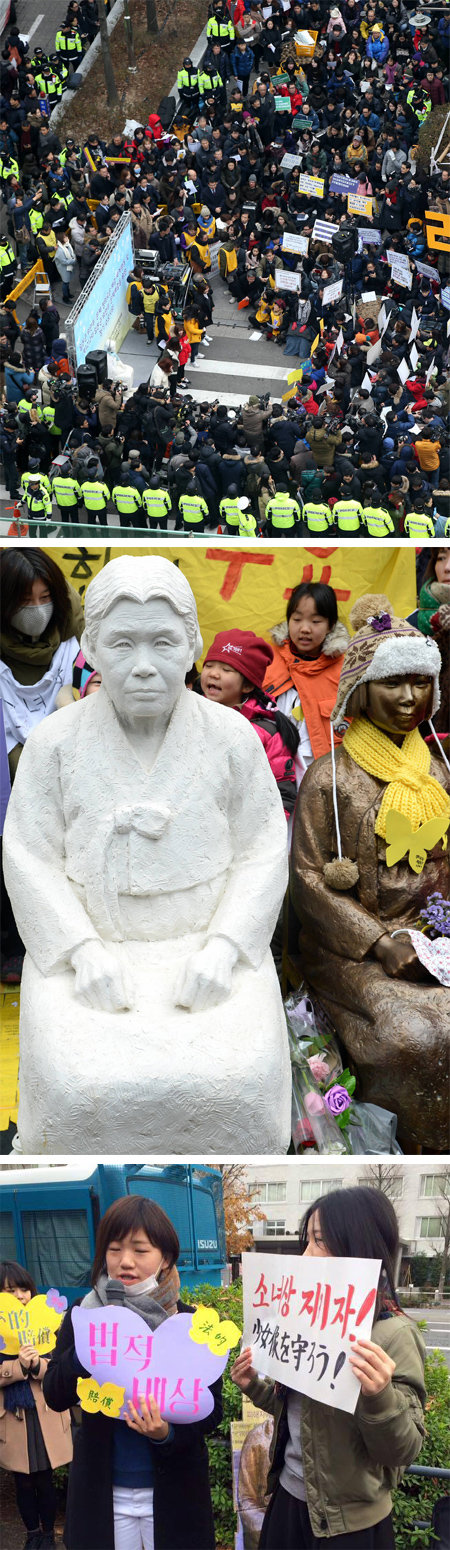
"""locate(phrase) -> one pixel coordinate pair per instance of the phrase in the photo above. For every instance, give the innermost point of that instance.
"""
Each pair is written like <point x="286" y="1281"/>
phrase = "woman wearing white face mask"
<point x="135" y="1484"/>
<point x="42" y="620"/>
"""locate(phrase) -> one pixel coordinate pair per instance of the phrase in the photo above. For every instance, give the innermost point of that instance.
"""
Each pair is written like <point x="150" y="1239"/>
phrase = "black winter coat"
<point x="182" y="1505"/>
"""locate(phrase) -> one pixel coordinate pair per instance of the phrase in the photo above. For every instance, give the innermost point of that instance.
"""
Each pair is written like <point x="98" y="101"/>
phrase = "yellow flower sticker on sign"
<point x="208" y="1329"/>
<point x="107" y="1398"/>
<point x="36" y="1323"/>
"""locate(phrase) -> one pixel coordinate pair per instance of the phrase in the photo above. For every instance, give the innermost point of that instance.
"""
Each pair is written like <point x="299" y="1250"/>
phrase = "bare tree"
<point x="111" y="88"/>
<point x="152" y="19"/>
<point x="387" y="1177"/>
<point x="441" y="1205"/>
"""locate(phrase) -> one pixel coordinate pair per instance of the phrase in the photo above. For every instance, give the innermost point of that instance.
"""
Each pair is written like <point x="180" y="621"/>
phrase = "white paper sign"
<point x="367" y="383"/>
<point x="309" y="185"/>
<point x="382" y="321"/>
<point x="293" y="242"/>
<point x="302" y="1316"/>
<point x="415" y="324"/>
<point x="429" y="373"/>
<point x="403" y="371"/>
<point x="414" y="356"/>
<point x="369" y="296"/>
<point x="285" y="280"/>
<point x="289" y="161"/>
<point x="332" y="293"/>
<point x="401" y="276"/>
<point x="401" y="259"/>
<point x="427" y="269"/>
<point x="374" y="352"/>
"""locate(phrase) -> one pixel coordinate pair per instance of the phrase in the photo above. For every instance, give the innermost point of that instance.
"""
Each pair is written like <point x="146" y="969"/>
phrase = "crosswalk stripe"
<point x="204" y="395"/>
<point x="230" y="368"/>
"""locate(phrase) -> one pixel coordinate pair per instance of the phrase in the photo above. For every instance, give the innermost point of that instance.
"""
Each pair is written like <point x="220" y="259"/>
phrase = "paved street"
<point x="437" y="1333"/>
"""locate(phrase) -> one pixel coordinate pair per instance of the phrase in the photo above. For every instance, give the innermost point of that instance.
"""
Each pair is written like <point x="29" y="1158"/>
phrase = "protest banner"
<point x="426" y="269"/>
<point x="332" y="293"/>
<point x="33" y="1323"/>
<point x="429" y="373"/>
<point x="401" y="259"/>
<point x="401" y="276"/>
<point x="173" y="1364"/>
<point x="414" y="356"/>
<point x="307" y="185"/>
<point x="374" y="352"/>
<point x="287" y="280"/>
<point x="357" y="204"/>
<point x="438" y="230"/>
<point x="293" y="242"/>
<point x="295" y="375"/>
<point x="415" y="324"/>
<point x="323" y="231"/>
<point x="283" y="104"/>
<point x="243" y="588"/>
<point x="301" y="1317"/>
<point x="367" y="382"/>
<point x="445" y="297"/>
<point x="341" y="184"/>
<point x="403" y="371"/>
<point x="288" y="160"/>
<point x="366" y="236"/>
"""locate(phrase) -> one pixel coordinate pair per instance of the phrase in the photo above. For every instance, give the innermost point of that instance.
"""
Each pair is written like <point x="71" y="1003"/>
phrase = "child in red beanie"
<point x="233" y="674"/>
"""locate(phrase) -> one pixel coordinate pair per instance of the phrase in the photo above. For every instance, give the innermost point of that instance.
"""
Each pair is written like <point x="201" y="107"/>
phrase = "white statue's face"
<point x="142" y="654"/>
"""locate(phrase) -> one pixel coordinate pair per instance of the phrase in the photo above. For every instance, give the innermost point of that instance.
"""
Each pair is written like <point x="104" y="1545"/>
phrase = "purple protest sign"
<point x="341" y="184"/>
<point x="117" y="1347"/>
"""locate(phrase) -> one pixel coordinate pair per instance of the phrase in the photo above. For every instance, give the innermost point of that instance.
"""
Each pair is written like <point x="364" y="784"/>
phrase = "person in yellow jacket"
<point x="163" y="320"/>
<point x="195" y="332"/>
<point x="376" y="519"/>
<point x="230" y="510"/>
<point x="419" y="524"/>
<point x="96" y="496"/>
<point x="282" y="514"/>
<point x="157" y="504"/>
<point x="227" y="259"/>
<point x="128" y="502"/>
<point x="316" y="517"/>
<point x="150" y="300"/>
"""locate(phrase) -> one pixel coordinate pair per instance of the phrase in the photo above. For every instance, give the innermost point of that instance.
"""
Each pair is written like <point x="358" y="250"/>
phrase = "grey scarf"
<point x="151" y="1310"/>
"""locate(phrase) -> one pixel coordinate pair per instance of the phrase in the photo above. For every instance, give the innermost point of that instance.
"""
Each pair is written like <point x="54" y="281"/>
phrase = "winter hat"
<point x="254" y="401"/>
<point x="243" y="650"/>
<point x="383" y="647"/>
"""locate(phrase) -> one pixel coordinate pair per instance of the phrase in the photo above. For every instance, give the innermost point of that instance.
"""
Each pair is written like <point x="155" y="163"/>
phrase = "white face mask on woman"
<point x="145" y="1288"/>
<point x="32" y="619"/>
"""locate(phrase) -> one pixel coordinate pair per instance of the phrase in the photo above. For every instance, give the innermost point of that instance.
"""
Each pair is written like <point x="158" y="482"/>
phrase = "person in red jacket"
<point x="232" y="674"/>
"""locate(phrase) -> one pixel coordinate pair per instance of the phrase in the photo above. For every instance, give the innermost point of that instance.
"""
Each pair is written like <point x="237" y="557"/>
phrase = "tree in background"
<point x="110" y="82"/>
<point x="152" y="19"/>
<point x="387" y="1177"/>
<point x="241" y="1208"/>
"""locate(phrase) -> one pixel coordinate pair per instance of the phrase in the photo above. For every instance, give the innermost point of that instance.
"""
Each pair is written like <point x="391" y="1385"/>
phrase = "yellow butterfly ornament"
<point x="402" y="839"/>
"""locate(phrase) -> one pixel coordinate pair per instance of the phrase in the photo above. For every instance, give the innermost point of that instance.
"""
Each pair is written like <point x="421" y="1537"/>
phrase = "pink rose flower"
<point x="318" y="1068"/>
<point x="313" y="1103"/>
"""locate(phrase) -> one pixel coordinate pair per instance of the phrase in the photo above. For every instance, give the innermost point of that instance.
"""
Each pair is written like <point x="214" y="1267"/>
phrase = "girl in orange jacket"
<point x="304" y="675"/>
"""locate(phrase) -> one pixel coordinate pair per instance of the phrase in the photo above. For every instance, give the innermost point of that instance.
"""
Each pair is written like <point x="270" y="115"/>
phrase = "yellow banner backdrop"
<point x="248" y="589"/>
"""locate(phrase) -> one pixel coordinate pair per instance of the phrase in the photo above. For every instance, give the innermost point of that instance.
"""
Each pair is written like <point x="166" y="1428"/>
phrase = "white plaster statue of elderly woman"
<point x="145" y="851"/>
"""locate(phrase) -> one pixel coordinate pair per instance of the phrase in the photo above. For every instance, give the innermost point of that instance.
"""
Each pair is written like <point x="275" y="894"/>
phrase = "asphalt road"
<point x="437" y="1333"/>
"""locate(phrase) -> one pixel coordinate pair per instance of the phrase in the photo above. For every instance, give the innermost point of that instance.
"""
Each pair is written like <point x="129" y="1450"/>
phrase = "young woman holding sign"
<point x="330" y="1472"/>
<point x="137" y="1484"/>
<point x="33" y="1441"/>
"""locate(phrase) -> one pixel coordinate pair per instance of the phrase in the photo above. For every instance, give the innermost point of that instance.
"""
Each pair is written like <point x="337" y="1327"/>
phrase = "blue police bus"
<point x="49" y="1217"/>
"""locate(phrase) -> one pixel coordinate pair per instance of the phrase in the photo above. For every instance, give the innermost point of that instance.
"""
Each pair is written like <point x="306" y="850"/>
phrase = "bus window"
<point x="57" y="1247"/>
<point x="7" y="1236"/>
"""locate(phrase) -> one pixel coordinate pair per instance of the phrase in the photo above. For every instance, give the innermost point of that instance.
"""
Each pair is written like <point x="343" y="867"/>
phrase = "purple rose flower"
<point x="381" y="622"/>
<point x="337" y="1099"/>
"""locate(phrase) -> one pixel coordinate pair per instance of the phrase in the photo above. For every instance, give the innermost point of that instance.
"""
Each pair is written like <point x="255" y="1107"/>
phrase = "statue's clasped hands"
<point x="102" y="983"/>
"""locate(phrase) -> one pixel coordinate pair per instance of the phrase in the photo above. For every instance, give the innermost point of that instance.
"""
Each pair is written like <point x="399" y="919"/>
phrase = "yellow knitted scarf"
<point x="410" y="789"/>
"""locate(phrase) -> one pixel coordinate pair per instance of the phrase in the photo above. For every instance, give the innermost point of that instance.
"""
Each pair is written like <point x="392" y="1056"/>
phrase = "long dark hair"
<point x="323" y="596"/>
<point x="19" y="568"/>
<point x="359" y="1222"/>
<point x="129" y="1214"/>
<point x="13" y="1274"/>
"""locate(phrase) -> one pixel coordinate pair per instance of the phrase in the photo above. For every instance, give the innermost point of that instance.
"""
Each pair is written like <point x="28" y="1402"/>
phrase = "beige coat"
<point x="55" y="1428"/>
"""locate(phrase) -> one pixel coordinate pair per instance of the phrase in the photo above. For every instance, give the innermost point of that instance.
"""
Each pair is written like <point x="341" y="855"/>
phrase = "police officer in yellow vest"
<point x="193" y="509"/>
<point x="221" y="29"/>
<point x="96" y="496"/>
<point x="187" y="85"/>
<point x="67" y="493"/>
<point x="376" y="519"/>
<point x="7" y="267"/>
<point x="37" y="499"/>
<point x="209" y="81"/>
<point x="282" y="514"/>
<point x="230" y="510"/>
<point x="68" y="43"/>
<point x="348" y="516"/>
<point x="49" y="85"/>
<point x="9" y="168"/>
<point x="316" y="517"/>
<point x="247" y="522"/>
<point x="419" y="524"/>
<point x="128" y="501"/>
<point x="34" y="473"/>
<point x="157" y="504"/>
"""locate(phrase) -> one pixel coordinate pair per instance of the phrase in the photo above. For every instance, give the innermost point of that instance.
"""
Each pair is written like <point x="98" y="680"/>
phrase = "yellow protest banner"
<point x="247" y="588"/>
<point x="315" y="343"/>
<point x="33" y="1323"/>
<point x="357" y="204"/>
<point x="307" y="185"/>
<point x="290" y="394"/>
<point x="438" y="230"/>
<point x="295" y="376"/>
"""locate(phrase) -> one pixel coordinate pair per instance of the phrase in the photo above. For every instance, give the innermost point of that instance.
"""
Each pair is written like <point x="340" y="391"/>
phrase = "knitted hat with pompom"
<point x="383" y="647"/>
